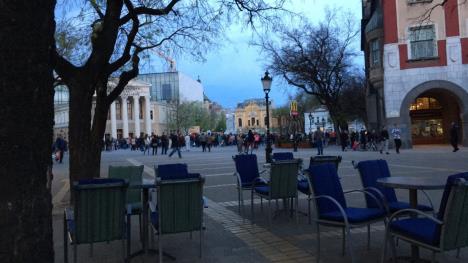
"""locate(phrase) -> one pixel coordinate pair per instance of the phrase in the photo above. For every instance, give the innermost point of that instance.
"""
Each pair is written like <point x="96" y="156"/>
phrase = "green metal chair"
<point x="179" y="208"/>
<point x="98" y="215"/>
<point x="282" y="185"/>
<point x="449" y="231"/>
<point x="134" y="176"/>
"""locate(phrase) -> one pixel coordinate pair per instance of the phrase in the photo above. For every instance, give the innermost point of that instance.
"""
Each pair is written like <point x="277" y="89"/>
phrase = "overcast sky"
<point x="232" y="73"/>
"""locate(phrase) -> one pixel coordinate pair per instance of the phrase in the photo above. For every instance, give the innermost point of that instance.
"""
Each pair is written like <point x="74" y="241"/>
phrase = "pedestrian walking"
<point x="240" y="143"/>
<point x="396" y="134"/>
<point x="209" y="141"/>
<point x="59" y="149"/>
<point x="384" y="137"/>
<point x="164" y="143"/>
<point x="318" y="138"/>
<point x="154" y="144"/>
<point x="454" y="136"/>
<point x="147" y="143"/>
<point x="344" y="140"/>
<point x="175" y="145"/>
<point x="187" y="142"/>
<point x="202" y="140"/>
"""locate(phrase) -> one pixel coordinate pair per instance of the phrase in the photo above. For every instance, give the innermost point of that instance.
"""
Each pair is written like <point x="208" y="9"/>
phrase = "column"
<point x="136" y="115"/>
<point x="113" y="121"/>
<point x="147" y="115"/>
<point x="124" y="117"/>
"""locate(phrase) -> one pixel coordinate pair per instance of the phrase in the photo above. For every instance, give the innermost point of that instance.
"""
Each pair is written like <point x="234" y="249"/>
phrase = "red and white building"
<point x="417" y="67"/>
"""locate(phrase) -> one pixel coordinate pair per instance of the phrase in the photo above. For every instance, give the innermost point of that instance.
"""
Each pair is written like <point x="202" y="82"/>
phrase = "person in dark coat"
<point x="59" y="149"/>
<point x="344" y="139"/>
<point x="175" y="144"/>
<point x="454" y="136"/>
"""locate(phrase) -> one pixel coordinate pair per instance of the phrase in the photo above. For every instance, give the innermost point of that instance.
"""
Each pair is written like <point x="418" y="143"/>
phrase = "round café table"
<point x="413" y="184"/>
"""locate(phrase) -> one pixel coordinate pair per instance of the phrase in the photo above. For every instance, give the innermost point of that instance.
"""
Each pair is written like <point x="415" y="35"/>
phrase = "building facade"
<point x="321" y="120"/>
<point x="417" y="67"/>
<point x="251" y="115"/>
<point x="135" y="112"/>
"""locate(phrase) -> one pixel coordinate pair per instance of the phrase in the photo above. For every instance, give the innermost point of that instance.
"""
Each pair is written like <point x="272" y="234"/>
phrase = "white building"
<point x="320" y="119"/>
<point x="136" y="111"/>
<point x="230" y="122"/>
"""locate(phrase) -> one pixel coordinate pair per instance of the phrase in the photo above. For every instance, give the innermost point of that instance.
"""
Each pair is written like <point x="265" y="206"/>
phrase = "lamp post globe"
<point x="266" y="83"/>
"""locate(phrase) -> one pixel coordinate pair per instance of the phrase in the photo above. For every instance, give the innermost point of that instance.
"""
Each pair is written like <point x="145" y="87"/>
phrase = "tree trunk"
<point x="86" y="138"/>
<point x="26" y="117"/>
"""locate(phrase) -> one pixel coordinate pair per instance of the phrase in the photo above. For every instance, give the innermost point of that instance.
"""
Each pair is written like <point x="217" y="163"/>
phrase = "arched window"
<point x="425" y="103"/>
<point x="240" y="122"/>
<point x="253" y="122"/>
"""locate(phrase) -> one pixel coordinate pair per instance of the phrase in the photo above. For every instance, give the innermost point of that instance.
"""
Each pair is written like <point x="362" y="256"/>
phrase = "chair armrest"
<point x="430" y="202"/>
<point x="414" y="211"/>
<point x="239" y="181"/>
<point x="333" y="200"/>
<point x="381" y="195"/>
<point x="262" y="171"/>
<point x="366" y="193"/>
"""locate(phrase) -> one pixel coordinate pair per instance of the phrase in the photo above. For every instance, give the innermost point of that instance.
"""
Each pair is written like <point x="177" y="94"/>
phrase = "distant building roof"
<point x="259" y="102"/>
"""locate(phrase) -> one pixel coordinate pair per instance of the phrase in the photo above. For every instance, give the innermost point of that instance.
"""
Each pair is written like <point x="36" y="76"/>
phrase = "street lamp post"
<point x="266" y="82"/>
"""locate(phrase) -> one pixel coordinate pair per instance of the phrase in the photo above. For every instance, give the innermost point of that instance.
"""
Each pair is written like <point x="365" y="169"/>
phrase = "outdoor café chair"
<point x="134" y="176"/>
<point x="447" y="231"/>
<point x="372" y="170"/>
<point x="179" y="207"/>
<point x="282" y="185"/>
<point x="246" y="173"/>
<point x="332" y="210"/>
<point x="303" y="184"/>
<point x="98" y="215"/>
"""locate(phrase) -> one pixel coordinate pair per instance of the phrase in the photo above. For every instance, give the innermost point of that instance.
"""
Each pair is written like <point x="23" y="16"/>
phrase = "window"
<point x="239" y="122"/>
<point x="258" y="123"/>
<point x="253" y="121"/>
<point x="248" y="122"/>
<point x="151" y="115"/>
<point x="425" y="103"/>
<point x="118" y="110"/>
<point x="423" y="42"/>
<point x="166" y="92"/>
<point x="141" y="110"/>
<point x="129" y="110"/>
<point x="375" y="53"/>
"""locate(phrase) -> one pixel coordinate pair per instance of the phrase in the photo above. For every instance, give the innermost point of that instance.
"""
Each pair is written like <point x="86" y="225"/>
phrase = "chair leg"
<point x="458" y="253"/>
<point x="308" y="204"/>
<point x="238" y="201"/>
<point x="252" y="212"/>
<point x="318" y="242"/>
<point x="201" y="242"/>
<point x="91" y="250"/>
<point x="160" y="248"/>
<point x="368" y="237"/>
<point x="343" y="242"/>
<point x="65" y="239"/>
<point x="433" y="257"/>
<point x="261" y="203"/>
<point x="350" y="244"/>
<point x="129" y="236"/>
<point x="297" y="210"/>
<point x="392" y="244"/>
<point x="75" y="256"/>
<point x="384" y="248"/>
<point x="269" y="213"/>
<point x="190" y="235"/>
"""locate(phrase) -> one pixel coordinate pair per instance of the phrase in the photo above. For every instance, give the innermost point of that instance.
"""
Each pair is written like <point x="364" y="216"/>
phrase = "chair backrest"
<point x="171" y="171"/>
<point x="454" y="232"/>
<point x="99" y="210"/>
<point x="282" y="156"/>
<point x="317" y="160"/>
<point x="246" y="167"/>
<point x="369" y="172"/>
<point x="180" y="205"/>
<point x="133" y="175"/>
<point x="283" y="179"/>
<point x="325" y="181"/>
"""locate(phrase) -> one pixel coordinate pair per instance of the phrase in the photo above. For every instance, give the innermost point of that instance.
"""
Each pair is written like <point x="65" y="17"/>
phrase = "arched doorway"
<point x="428" y="110"/>
<point x="431" y="114"/>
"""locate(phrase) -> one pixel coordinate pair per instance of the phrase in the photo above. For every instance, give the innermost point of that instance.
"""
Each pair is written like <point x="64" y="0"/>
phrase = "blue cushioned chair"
<point x="246" y="173"/>
<point x="331" y="208"/>
<point x="98" y="215"/>
<point x="372" y="170"/>
<point x="447" y="231"/>
<point x="174" y="171"/>
<point x="303" y="183"/>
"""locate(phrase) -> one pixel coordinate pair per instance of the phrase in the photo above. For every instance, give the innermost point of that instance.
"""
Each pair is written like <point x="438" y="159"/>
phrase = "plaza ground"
<point x="229" y="238"/>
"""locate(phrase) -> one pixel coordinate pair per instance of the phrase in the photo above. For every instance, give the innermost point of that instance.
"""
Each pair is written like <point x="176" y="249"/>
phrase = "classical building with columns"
<point x="140" y="109"/>
<point x="416" y="55"/>
<point x="251" y="115"/>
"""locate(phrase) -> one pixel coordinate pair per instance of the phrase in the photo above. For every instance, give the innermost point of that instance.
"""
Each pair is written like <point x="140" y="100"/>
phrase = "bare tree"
<point x="316" y="59"/>
<point x="111" y="35"/>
